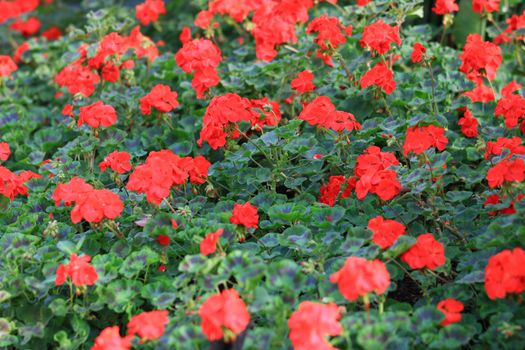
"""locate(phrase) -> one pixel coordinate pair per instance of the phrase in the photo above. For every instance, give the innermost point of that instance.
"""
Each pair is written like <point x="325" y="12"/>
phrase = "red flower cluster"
<point x="78" y="79"/>
<point x="480" y="6"/>
<point x="116" y="161"/>
<point x="97" y="115"/>
<point x="5" y="151"/>
<point x="468" y="124"/>
<point x="19" y="52"/>
<point x="110" y="339"/>
<point x="332" y="190"/>
<point x="418" y="53"/>
<point x="7" y="66"/>
<point x="514" y="23"/>
<point x="480" y="59"/>
<point x="419" y="139"/>
<point x="245" y="214"/>
<point x="494" y="199"/>
<point x="224" y="310"/>
<point x="481" y="93"/>
<point x="12" y="185"/>
<point x="451" y="308"/>
<point x="442" y="7"/>
<point x="200" y="56"/>
<point x="379" y="36"/>
<point x="385" y="232"/>
<point x="15" y="8"/>
<point x="359" y="276"/>
<point x="329" y="35"/>
<point x="373" y="175"/>
<point x="512" y="145"/>
<point x="505" y="274"/>
<point x="148" y="325"/>
<point x="321" y="112"/>
<point x="161" y="98"/>
<point x="27" y="28"/>
<point x="305" y="334"/>
<point x="425" y="253"/>
<point x="149" y="11"/>
<point x="381" y="76"/>
<point x="266" y="113"/>
<point x="163" y="170"/>
<point x="304" y="82"/>
<point x="52" y="33"/>
<point x="511" y="106"/>
<point x="506" y="171"/>
<point x="90" y="204"/>
<point x="209" y="243"/>
<point x="79" y="270"/>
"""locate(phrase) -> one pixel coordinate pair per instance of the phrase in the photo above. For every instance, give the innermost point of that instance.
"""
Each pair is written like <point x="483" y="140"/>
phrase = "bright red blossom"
<point x="7" y="66"/>
<point x="116" y="161"/>
<point x="148" y="325"/>
<point x="451" y="308"/>
<point x="330" y="35"/>
<point x="305" y="334"/>
<point x="480" y="59"/>
<point x="149" y="11"/>
<point x="386" y="232"/>
<point x="420" y="139"/>
<point x="332" y="190"/>
<point x="209" y="243"/>
<point x="359" y="276"/>
<point x="5" y="151"/>
<point x="511" y="106"/>
<point x="418" y="53"/>
<point x="506" y="171"/>
<point x="469" y="124"/>
<point x="505" y="274"/>
<point x="304" y="82"/>
<point x="442" y="7"/>
<point x="97" y="115"/>
<point x="481" y="93"/>
<point x="26" y="28"/>
<point x="480" y="6"/>
<point x="12" y="185"/>
<point x="425" y="253"/>
<point x="379" y="36"/>
<point x="223" y="310"/>
<point x="161" y="98"/>
<point x="321" y="112"/>
<point x="381" y="76"/>
<point x="110" y="339"/>
<point x="512" y="145"/>
<point x="79" y="270"/>
<point x="245" y="214"/>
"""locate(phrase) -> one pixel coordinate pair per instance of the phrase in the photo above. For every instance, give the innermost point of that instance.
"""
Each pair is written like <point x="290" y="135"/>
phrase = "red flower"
<point x="19" y="52"/>
<point x="7" y="66"/>
<point x="245" y="214"/>
<point x="452" y="310"/>
<point x="418" y="53"/>
<point x="442" y="7"/>
<point x="511" y="106"/>
<point x="330" y="35"/>
<point x="71" y="191"/>
<point x="505" y="274"/>
<point x="97" y="115"/>
<point x="469" y="124"/>
<point x="164" y="240"/>
<point x="79" y="270"/>
<point x="381" y="76"/>
<point x="224" y="310"/>
<point x="148" y="325"/>
<point x="110" y="339"/>
<point x="359" y="276"/>
<point x="480" y="59"/>
<point x="386" y="232"/>
<point x="185" y="35"/>
<point x="68" y="110"/>
<point x="378" y="37"/>
<point x="204" y="79"/>
<point x="203" y="19"/>
<point x="161" y="98"/>
<point x="269" y="113"/>
<point x="506" y="171"/>
<point x="425" y="253"/>
<point x="331" y="191"/>
<point x="420" y="139"/>
<point x="26" y="28"/>
<point x="78" y="79"/>
<point x="304" y="82"/>
<point x="494" y="199"/>
<point x="5" y="151"/>
<point x="96" y="206"/>
<point x="480" y="93"/>
<point x="12" y="185"/>
<point x="480" y="6"/>
<point x="110" y="72"/>
<point x="305" y="334"/>
<point x="149" y="11"/>
<point x="52" y="33"/>
<point x="117" y="161"/>
<point x="513" y="145"/>
<point x="209" y="243"/>
<point x="321" y="112"/>
<point x="363" y="2"/>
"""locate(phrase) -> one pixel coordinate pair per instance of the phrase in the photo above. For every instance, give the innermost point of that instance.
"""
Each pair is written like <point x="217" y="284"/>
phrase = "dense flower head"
<point x="78" y="79"/>
<point x="209" y="244"/>
<point x="332" y="190"/>
<point x="27" y="28"/>
<point x="305" y="334"/>
<point x="480" y="59"/>
<point x="148" y="325"/>
<point x="381" y="76"/>
<point x="511" y="106"/>
<point x="119" y="162"/>
<point x="330" y="34"/>
<point x="505" y="274"/>
<point x="469" y="124"/>
<point x="303" y="82"/>
<point x="12" y="185"/>
<point x="480" y="6"/>
<point x="223" y="310"/>
<point x="245" y="215"/>
<point x="79" y="270"/>
<point x="97" y="115"/>
<point x="481" y="93"/>
<point x="379" y="36"/>
<point x="451" y="308"/>
<point x="359" y="276"/>
<point x="5" y="151"/>
<point x="322" y="113"/>
<point x="19" y="52"/>
<point x="514" y="23"/>
<point x="91" y="204"/>
<point x="506" y="171"/>
<point x="373" y="175"/>
<point x="418" y="53"/>
<point x="52" y="33"/>
<point x="15" y="8"/>
<point x="494" y="199"/>
<point x="149" y="11"/>
<point x="161" y="98"/>
<point x="163" y="170"/>
<point x="442" y="7"/>
<point x="425" y="253"/>
<point x="7" y="66"/>
<point x="110" y="339"/>
<point x="512" y="145"/>
<point x="420" y="139"/>
<point x="385" y="232"/>
<point x="110" y="72"/>
<point x="266" y="113"/>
